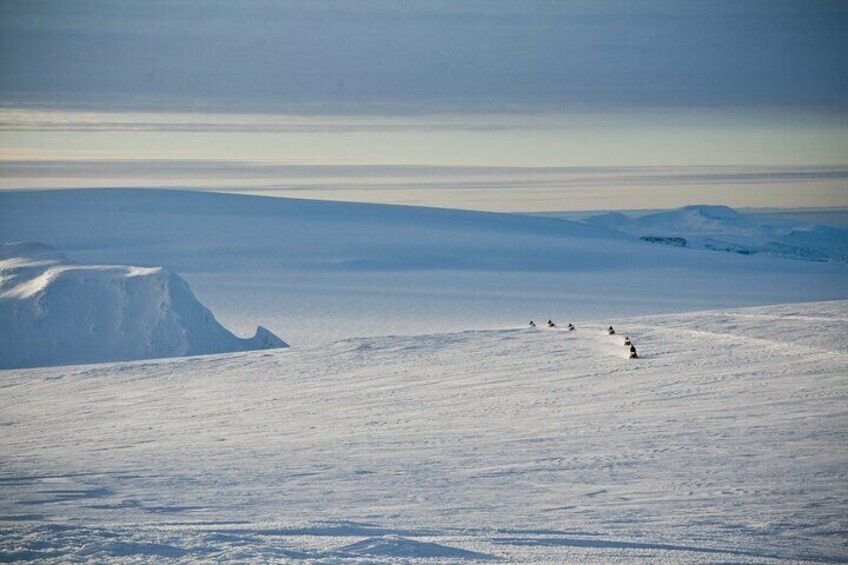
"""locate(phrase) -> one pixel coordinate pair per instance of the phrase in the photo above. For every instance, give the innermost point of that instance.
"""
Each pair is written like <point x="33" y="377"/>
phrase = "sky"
<point x="496" y="105"/>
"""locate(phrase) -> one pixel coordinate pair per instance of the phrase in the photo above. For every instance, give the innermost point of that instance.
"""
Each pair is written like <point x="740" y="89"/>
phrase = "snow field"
<point x="723" y="444"/>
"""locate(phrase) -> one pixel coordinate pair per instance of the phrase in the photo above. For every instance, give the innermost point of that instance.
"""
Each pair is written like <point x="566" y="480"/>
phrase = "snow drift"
<point x="55" y="312"/>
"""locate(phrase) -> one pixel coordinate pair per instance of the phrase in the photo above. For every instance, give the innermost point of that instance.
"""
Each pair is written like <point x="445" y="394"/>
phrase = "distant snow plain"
<point x="314" y="272"/>
<point x="417" y="419"/>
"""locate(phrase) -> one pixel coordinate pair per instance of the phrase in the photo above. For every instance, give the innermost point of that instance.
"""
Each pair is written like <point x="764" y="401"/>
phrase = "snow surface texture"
<point x="55" y="312"/>
<point x="324" y="271"/>
<point x="719" y="228"/>
<point x="724" y="443"/>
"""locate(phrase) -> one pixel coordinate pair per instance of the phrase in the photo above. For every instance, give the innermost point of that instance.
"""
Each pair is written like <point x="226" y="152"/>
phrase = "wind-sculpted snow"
<point x="724" y="443"/>
<point x="54" y="312"/>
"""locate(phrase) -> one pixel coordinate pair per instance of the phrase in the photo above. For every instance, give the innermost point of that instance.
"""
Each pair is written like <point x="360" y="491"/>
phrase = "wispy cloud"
<point x="18" y="119"/>
<point x="436" y="175"/>
<point x="492" y="188"/>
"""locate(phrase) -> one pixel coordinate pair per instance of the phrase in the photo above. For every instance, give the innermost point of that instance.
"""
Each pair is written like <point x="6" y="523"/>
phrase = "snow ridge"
<point x="56" y="312"/>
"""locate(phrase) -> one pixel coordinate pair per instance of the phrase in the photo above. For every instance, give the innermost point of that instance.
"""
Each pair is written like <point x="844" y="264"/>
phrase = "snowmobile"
<point x="627" y="341"/>
<point x="551" y="324"/>
<point x="611" y="331"/>
<point x="633" y="354"/>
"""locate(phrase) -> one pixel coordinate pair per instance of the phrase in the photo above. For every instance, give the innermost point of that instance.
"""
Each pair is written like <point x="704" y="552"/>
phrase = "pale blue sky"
<point x="739" y="86"/>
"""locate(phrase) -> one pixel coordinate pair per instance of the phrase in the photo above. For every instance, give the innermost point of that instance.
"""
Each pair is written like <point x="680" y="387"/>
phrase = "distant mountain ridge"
<point x="721" y="228"/>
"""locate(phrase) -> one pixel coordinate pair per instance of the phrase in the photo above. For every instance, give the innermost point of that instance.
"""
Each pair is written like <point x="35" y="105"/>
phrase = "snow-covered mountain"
<point x="54" y="311"/>
<point x="724" y="443"/>
<point x="720" y="228"/>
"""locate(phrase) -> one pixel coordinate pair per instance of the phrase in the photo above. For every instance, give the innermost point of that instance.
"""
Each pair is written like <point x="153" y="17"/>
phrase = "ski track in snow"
<point x="725" y="443"/>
